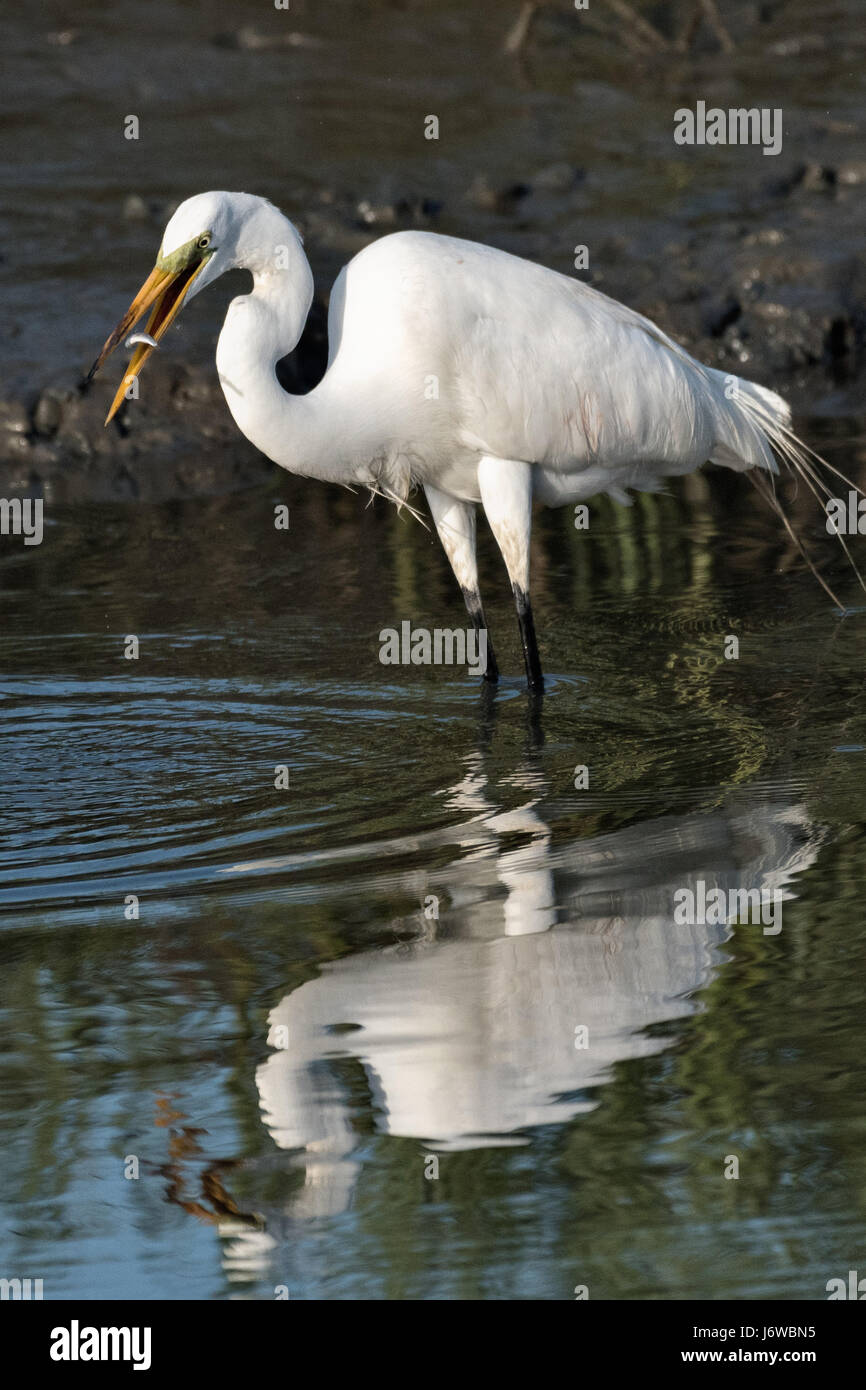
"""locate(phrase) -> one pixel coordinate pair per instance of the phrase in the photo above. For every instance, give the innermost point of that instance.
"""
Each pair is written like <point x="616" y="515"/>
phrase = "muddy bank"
<point x="782" y="318"/>
<point x="755" y="263"/>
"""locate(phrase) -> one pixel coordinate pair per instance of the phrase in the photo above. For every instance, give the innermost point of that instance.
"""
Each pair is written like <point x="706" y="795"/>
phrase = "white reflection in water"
<point x="467" y="1034"/>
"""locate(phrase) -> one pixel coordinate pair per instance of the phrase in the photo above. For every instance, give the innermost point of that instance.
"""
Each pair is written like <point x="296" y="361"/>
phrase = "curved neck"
<point x="260" y="328"/>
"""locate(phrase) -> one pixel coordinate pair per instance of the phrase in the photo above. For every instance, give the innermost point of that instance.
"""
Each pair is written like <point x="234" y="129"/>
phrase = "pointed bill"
<point x="163" y="292"/>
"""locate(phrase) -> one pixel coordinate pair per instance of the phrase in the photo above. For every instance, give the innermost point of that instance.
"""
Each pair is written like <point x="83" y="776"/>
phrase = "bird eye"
<point x="204" y="242"/>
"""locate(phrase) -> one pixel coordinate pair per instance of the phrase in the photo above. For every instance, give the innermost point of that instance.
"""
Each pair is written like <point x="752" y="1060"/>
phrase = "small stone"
<point x="491" y="199"/>
<point x="559" y="178"/>
<point x="765" y="236"/>
<point x="14" y="418"/>
<point x="377" y="215"/>
<point x="252" y="40"/>
<point x="135" y="209"/>
<point x="768" y="310"/>
<point x="47" y="415"/>
<point x="852" y="172"/>
<point x="813" y="177"/>
<point x="793" y="47"/>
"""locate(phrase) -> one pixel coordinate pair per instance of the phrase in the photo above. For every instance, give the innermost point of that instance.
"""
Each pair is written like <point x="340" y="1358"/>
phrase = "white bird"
<point x="479" y="376"/>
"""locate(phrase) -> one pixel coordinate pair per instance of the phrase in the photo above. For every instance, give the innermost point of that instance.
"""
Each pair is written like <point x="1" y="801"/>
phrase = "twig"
<point x="648" y="32"/>
<point x="714" y="19"/>
<point x="518" y="35"/>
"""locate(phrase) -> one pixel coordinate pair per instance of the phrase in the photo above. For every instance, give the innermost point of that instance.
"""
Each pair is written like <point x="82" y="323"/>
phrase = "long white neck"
<point x="297" y="432"/>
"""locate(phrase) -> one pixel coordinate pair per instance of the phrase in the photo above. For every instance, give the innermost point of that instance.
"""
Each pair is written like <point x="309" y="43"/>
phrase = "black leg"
<point x="472" y="599"/>
<point x="527" y="636"/>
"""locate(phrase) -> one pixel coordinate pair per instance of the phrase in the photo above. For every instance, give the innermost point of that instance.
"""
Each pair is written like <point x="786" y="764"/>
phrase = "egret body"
<point x="479" y="376"/>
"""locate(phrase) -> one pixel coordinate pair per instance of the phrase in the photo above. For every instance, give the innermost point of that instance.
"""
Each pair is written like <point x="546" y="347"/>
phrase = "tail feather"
<point x="747" y="415"/>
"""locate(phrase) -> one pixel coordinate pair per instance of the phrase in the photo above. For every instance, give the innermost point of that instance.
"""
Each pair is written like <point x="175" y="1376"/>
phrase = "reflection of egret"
<point x="476" y="374"/>
<point x="466" y="1037"/>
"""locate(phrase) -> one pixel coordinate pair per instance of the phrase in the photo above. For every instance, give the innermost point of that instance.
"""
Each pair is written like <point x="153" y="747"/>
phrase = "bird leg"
<point x="455" y="523"/>
<point x="506" y="494"/>
<point x="472" y="599"/>
<point x="532" y="660"/>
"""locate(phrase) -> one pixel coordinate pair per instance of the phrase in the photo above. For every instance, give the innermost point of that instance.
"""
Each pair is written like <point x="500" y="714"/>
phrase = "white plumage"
<point x="477" y="375"/>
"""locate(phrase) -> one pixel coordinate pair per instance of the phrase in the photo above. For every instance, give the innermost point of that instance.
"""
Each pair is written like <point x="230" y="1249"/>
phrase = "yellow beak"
<point x="164" y="292"/>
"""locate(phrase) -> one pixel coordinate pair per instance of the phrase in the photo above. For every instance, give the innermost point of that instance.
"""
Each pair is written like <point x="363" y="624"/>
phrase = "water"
<point x="287" y="1037"/>
<point x="330" y="988"/>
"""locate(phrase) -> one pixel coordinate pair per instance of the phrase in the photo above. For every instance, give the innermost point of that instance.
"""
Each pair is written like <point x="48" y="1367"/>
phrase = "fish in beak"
<point x="163" y="292"/>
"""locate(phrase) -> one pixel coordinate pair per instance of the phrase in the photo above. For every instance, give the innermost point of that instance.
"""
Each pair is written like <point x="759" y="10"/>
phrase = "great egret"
<point x="476" y="374"/>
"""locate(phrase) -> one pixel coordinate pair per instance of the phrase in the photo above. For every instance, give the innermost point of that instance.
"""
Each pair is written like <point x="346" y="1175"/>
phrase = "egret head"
<point x="207" y="235"/>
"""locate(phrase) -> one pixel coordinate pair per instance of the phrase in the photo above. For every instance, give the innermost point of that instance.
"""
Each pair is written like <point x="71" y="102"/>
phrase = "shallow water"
<point x="390" y="961"/>
<point x="288" y="1035"/>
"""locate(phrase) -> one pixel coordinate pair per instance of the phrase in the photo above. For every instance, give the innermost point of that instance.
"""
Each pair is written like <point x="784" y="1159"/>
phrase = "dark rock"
<point x="841" y="338"/>
<point x="402" y="212"/>
<point x="501" y="200"/>
<point x="721" y="316"/>
<point x="811" y="178"/>
<point x="49" y="411"/>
